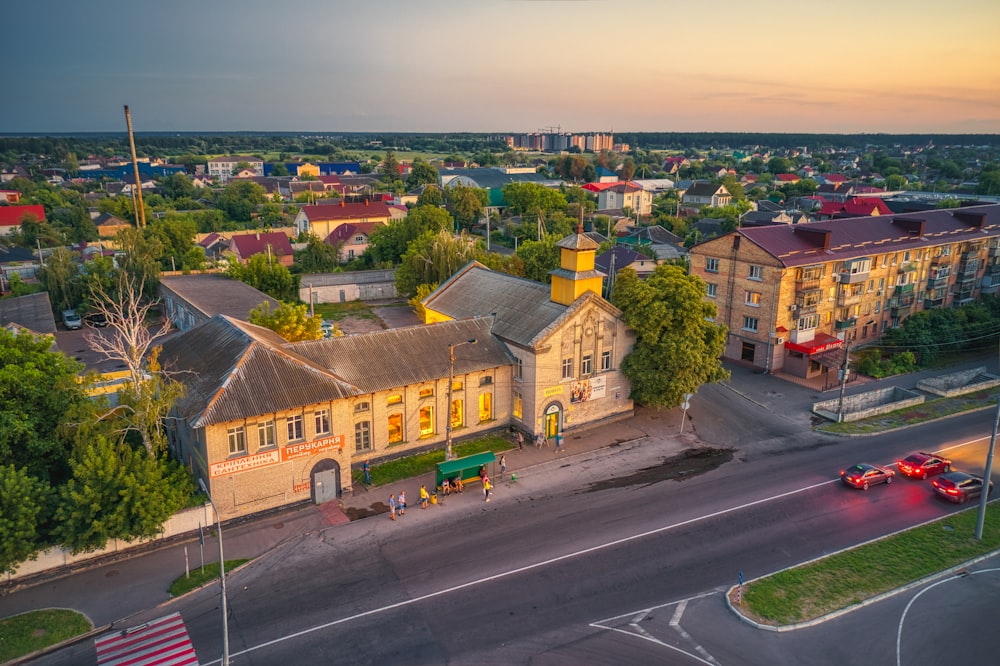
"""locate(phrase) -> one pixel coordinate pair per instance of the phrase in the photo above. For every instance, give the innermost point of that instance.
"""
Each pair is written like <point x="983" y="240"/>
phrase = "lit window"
<point x="426" y="392"/>
<point x="752" y="299"/>
<point x="518" y="405"/>
<point x="712" y="265"/>
<point x="395" y="423"/>
<point x="750" y="324"/>
<point x="322" y="422"/>
<point x="237" y="440"/>
<point x="567" y="368"/>
<point x="394" y="399"/>
<point x="362" y="436"/>
<point x="294" y="425"/>
<point x="457" y="385"/>
<point x="485" y="407"/>
<point x="426" y="421"/>
<point x="265" y="434"/>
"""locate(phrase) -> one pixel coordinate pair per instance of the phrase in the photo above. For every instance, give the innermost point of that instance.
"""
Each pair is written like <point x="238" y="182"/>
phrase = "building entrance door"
<point x="747" y="352"/>
<point x="552" y="421"/>
<point x="325" y="478"/>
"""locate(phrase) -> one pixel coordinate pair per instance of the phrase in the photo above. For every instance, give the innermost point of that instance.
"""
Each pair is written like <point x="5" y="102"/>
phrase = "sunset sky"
<point x="502" y="66"/>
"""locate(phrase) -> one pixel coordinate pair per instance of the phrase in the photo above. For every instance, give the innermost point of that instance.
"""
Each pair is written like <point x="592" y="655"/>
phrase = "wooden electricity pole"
<point x="140" y="209"/>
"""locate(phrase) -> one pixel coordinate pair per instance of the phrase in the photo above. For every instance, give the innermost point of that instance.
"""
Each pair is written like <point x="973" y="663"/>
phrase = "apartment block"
<point x="793" y="295"/>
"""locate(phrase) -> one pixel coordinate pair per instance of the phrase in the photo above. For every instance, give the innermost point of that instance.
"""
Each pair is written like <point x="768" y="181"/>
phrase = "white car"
<point x="327" y="328"/>
<point x="71" y="320"/>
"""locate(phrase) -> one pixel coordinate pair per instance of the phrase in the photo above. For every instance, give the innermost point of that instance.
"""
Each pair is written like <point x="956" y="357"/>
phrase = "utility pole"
<point x="984" y="497"/>
<point x="844" y="369"/>
<point x="140" y="213"/>
<point x="222" y="576"/>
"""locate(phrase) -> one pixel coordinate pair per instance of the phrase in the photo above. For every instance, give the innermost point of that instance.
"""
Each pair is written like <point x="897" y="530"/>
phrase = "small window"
<point x="567" y="368"/>
<point x="518" y="369"/>
<point x="605" y="361"/>
<point x="752" y="299"/>
<point x="750" y="324"/>
<point x="586" y="365"/>
<point x="518" y="409"/>
<point x="712" y="265"/>
<point x="486" y="381"/>
<point x="485" y="407"/>
<point x="294" y="427"/>
<point x="362" y="436"/>
<point x="426" y="421"/>
<point x="457" y="385"/>
<point x="265" y="435"/>
<point x="237" y="440"/>
<point x="711" y="289"/>
<point x="427" y="392"/>
<point x="322" y="422"/>
<point x="756" y="273"/>
<point x="361" y="407"/>
<point x="394" y="399"/>
<point x="395" y="426"/>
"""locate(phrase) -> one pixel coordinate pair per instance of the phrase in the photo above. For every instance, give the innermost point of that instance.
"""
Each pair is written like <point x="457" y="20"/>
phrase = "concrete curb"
<point x="904" y="427"/>
<point x="861" y="604"/>
<point x="56" y="646"/>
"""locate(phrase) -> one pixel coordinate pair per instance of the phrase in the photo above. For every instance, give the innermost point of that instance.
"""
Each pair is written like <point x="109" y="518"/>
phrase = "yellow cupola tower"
<point x="576" y="274"/>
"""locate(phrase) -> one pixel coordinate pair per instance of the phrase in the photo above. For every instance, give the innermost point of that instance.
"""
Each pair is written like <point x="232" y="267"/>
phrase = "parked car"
<point x="920" y="465"/>
<point x="864" y="475"/>
<point x="327" y="328"/>
<point x="71" y="320"/>
<point x="96" y="319"/>
<point x="959" y="487"/>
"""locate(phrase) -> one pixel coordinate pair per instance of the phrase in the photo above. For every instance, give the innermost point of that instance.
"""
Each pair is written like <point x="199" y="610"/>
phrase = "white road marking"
<point x="537" y="565"/>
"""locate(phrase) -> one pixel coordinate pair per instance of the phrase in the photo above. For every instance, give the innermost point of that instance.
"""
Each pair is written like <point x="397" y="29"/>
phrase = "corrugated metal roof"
<point x="215" y="294"/>
<point x="865" y="236"/>
<point x="406" y="356"/>
<point x="230" y="368"/>
<point x="523" y="308"/>
<point x="32" y="311"/>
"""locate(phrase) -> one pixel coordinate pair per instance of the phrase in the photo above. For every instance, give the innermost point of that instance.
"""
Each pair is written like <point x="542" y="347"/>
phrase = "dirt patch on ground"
<point x="360" y="325"/>
<point x="357" y="513"/>
<point x="685" y="465"/>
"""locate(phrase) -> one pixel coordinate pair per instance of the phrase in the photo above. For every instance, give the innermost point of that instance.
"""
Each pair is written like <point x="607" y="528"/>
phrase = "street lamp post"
<point x="448" y="455"/>
<point x="222" y="578"/>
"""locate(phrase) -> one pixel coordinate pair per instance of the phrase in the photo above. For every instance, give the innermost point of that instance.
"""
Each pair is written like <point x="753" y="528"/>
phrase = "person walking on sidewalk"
<point x="392" y="507"/>
<point x="520" y="441"/>
<point x="424" y="497"/>
<point x="367" y="469"/>
<point x="503" y="464"/>
<point x="402" y="503"/>
<point x="486" y="487"/>
<point x="559" y="442"/>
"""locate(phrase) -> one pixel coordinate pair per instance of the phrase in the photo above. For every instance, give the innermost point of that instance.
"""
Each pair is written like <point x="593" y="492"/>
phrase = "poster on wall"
<point x="588" y="389"/>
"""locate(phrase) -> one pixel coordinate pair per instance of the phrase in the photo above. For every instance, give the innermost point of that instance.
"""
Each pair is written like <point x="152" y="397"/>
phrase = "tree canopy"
<point x="267" y="275"/>
<point x="677" y="347"/>
<point x="290" y="321"/>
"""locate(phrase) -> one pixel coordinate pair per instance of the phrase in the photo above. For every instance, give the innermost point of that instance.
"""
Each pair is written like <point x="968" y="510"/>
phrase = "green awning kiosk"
<point x="466" y="468"/>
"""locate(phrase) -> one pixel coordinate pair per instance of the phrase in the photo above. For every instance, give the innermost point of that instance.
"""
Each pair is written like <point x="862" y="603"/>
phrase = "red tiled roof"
<point x="855" y="207"/>
<point x="787" y="177"/>
<point x="248" y="245"/>
<point x="329" y="180"/>
<point x="346" y="211"/>
<point x="834" y="177"/>
<point x="597" y="187"/>
<point x="346" y="231"/>
<point x="11" y="216"/>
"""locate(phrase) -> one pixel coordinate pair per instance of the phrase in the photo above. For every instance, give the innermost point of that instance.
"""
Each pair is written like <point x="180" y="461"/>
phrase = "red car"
<point x="864" y="475"/>
<point x="920" y="465"/>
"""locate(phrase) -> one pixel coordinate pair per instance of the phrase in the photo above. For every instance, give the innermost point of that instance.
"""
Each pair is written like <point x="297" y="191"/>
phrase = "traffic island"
<point x="827" y="587"/>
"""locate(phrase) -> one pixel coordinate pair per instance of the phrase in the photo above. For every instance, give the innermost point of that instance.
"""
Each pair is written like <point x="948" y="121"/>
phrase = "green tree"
<point x="532" y="198"/>
<point x="317" y="256"/>
<point x="117" y="492"/>
<point x="279" y="170"/>
<point x="178" y="186"/>
<point x="539" y="257"/>
<point x="175" y="235"/>
<point x="139" y="258"/>
<point x="58" y="277"/>
<point x="677" y="347"/>
<point x="292" y="322"/>
<point x="466" y="203"/>
<point x="23" y="500"/>
<point x="421" y="173"/>
<point x="779" y="165"/>
<point x="431" y="196"/>
<point x="267" y="275"/>
<point x="41" y="399"/>
<point x="240" y="199"/>
<point x="628" y="169"/>
<point x="433" y="257"/>
<point x="390" y="167"/>
<point x="426" y="218"/>
<point x="895" y="182"/>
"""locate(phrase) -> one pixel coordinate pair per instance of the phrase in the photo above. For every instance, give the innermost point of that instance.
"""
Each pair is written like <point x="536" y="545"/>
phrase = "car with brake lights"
<point x="920" y="465"/>
<point x="865" y="475"/>
<point x="960" y="487"/>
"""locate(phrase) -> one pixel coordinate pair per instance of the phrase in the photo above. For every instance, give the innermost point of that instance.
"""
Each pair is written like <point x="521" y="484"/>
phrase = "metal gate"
<point x="325" y="481"/>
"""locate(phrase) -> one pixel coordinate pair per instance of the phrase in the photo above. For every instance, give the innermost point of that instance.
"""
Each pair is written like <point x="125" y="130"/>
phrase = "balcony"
<point x="990" y="288"/>
<point x="844" y="324"/>
<point x="993" y="269"/>
<point x="937" y="283"/>
<point x="807" y="283"/>
<point x="845" y="299"/>
<point x="846" y="277"/>
<point x="968" y="267"/>
<point x="903" y="289"/>
<point x="941" y="260"/>
<point x="901" y="310"/>
<point x="932" y="303"/>
<point x="994" y="252"/>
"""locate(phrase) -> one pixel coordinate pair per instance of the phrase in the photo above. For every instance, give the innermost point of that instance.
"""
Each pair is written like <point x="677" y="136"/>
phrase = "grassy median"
<point x="201" y="576"/>
<point x="832" y="583"/>
<point x="23" y="634"/>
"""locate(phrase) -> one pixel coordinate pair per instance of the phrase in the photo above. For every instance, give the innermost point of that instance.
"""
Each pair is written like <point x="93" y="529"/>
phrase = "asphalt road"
<point x="558" y="573"/>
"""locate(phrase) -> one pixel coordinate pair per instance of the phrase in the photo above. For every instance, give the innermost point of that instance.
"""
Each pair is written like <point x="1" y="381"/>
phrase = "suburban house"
<point x="222" y="168"/>
<point x="273" y="243"/>
<point x="352" y="239"/>
<point x="620" y="257"/>
<point x="375" y="285"/>
<point x="12" y="216"/>
<point x="493" y="180"/>
<point x="792" y="294"/>
<point x="109" y="225"/>
<point x="853" y="207"/>
<point x="706" y="194"/>
<point x="623" y="195"/>
<point x="9" y="196"/>
<point x="32" y="313"/>
<point x="321" y="220"/>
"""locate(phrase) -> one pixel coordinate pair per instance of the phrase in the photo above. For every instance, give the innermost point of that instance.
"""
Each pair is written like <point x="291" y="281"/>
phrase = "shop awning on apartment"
<point x="819" y="344"/>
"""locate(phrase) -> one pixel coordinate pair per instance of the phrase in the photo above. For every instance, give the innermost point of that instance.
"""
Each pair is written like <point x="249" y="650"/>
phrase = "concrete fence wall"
<point x="868" y="404"/>
<point x="959" y="383"/>
<point x="182" y="522"/>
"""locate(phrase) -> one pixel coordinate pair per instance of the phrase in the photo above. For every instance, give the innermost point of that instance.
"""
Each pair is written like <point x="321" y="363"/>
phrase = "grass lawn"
<point x="927" y="411"/>
<point x="422" y="463"/>
<point x="25" y="633"/>
<point x="199" y="577"/>
<point x="338" y="311"/>
<point x="821" y="587"/>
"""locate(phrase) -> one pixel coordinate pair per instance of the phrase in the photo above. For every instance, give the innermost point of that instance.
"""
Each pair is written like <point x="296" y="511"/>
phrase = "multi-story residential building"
<point x="221" y="168"/>
<point x="791" y="294"/>
<point x="625" y="195"/>
<point x="321" y="220"/>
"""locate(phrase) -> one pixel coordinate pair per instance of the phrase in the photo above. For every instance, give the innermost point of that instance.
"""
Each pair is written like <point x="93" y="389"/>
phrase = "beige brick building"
<point x="793" y="295"/>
